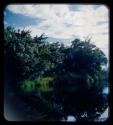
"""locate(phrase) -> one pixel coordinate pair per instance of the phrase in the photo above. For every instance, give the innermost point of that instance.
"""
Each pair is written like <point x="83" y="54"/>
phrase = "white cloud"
<point x="87" y="21"/>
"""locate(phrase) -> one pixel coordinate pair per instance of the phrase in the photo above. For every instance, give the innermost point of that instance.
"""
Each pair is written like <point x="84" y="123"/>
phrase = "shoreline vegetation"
<point x="49" y="81"/>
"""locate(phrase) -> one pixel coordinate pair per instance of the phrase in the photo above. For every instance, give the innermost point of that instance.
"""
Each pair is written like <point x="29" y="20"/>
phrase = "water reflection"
<point x="106" y="90"/>
<point x="103" y="116"/>
<point x="69" y="118"/>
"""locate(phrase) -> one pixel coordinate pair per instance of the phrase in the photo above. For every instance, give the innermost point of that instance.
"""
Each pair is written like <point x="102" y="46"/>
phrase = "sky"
<point x="62" y="21"/>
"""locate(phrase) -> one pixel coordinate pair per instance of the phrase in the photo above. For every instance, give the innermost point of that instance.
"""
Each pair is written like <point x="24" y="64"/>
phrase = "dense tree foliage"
<point x="74" y="73"/>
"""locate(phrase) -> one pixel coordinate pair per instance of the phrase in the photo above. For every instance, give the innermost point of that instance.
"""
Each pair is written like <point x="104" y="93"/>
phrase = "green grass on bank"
<point x="41" y="84"/>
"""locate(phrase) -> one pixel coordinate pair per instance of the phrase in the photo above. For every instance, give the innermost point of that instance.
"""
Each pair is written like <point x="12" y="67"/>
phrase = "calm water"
<point x="106" y="90"/>
<point x="103" y="116"/>
<point x="70" y="118"/>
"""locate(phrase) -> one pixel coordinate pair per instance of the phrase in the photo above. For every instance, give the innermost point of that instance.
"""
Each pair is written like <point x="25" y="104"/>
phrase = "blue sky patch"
<point x="101" y="22"/>
<point x="74" y="7"/>
<point x="67" y="24"/>
<point x="19" y="20"/>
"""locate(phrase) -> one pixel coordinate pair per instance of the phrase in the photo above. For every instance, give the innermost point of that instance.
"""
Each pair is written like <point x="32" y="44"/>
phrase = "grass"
<point x="41" y="84"/>
<point x="27" y="86"/>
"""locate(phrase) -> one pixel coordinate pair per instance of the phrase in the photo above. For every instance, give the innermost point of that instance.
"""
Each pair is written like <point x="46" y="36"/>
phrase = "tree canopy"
<point x="75" y="71"/>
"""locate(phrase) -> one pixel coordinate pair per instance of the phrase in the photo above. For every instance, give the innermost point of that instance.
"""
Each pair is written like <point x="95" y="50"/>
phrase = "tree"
<point x="76" y="71"/>
<point x="78" y="85"/>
